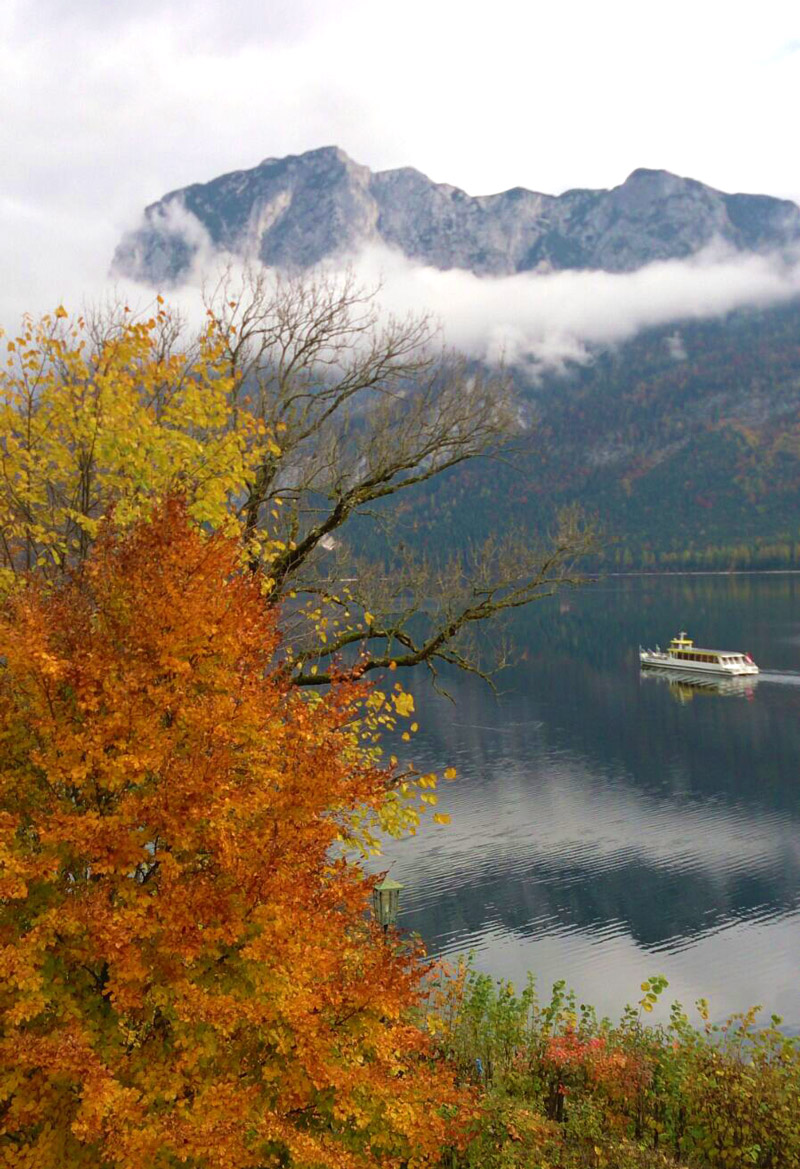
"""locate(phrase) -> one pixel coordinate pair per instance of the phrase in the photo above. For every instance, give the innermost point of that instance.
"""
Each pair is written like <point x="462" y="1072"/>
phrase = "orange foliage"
<point x="188" y="974"/>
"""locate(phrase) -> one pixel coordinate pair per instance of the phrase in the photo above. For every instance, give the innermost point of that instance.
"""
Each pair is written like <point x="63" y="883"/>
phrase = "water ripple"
<point x="603" y="830"/>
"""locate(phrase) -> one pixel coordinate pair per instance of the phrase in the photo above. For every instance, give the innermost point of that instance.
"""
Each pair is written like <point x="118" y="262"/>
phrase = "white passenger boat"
<point x="683" y="654"/>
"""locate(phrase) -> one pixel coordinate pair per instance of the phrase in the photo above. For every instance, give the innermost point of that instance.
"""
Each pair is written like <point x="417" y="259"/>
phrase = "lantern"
<point x="386" y="902"/>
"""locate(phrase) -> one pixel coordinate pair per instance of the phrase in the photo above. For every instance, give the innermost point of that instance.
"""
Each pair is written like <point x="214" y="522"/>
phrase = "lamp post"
<point x="386" y="902"/>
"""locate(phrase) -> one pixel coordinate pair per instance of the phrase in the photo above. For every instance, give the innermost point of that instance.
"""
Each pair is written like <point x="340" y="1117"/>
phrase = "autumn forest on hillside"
<point x="702" y="414"/>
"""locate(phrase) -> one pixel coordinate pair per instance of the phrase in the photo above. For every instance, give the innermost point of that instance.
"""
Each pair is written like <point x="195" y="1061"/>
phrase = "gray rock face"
<point x="295" y="211"/>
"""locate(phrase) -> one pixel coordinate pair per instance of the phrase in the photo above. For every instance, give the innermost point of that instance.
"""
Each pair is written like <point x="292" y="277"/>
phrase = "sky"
<point x="104" y="107"/>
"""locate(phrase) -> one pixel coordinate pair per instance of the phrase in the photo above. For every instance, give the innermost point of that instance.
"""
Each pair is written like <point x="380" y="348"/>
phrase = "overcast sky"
<point x="104" y="107"/>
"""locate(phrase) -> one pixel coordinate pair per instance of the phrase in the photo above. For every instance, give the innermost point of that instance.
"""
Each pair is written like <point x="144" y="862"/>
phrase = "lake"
<point x="608" y="825"/>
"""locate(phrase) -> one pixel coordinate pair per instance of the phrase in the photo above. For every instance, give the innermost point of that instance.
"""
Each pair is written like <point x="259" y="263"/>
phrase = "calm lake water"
<point x="608" y="825"/>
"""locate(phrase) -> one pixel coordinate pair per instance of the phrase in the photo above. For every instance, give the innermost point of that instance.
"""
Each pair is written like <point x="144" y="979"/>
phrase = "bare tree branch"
<point x="359" y="408"/>
<point x="429" y="613"/>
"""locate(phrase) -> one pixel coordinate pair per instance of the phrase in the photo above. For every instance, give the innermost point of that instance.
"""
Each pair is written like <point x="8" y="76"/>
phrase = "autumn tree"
<point x="189" y="977"/>
<point x="96" y="414"/>
<point x="297" y="411"/>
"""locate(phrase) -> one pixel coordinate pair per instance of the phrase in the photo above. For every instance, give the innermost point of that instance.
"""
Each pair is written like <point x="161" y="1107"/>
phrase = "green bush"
<point x="558" y="1087"/>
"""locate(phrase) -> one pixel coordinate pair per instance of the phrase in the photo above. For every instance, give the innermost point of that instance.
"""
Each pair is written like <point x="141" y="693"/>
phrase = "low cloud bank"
<point x="534" y="321"/>
<point x="545" y="322"/>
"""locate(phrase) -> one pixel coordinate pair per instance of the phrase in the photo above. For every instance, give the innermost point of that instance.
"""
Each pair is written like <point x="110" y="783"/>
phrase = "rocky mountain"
<point x="684" y="441"/>
<point x="293" y="212"/>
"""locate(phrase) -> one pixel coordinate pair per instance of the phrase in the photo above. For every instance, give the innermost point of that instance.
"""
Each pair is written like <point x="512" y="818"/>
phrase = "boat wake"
<point x="780" y="677"/>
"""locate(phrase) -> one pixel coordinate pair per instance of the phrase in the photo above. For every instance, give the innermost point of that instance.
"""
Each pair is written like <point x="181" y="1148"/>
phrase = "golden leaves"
<point x="403" y="703"/>
<point x="87" y="425"/>
<point x="197" y="963"/>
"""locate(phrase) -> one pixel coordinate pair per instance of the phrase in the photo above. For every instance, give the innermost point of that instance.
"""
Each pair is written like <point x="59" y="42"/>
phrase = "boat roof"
<point x="698" y="649"/>
<point x="684" y="642"/>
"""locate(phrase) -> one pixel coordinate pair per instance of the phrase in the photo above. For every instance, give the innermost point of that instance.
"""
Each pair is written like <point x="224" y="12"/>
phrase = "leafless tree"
<point x="364" y="408"/>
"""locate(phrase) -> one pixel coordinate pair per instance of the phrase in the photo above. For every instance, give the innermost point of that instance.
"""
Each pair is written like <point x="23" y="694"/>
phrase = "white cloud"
<point x="550" y="320"/>
<point x="533" y="321"/>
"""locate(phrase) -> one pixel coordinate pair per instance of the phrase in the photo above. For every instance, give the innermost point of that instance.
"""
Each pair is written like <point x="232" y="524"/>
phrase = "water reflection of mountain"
<point x="577" y="673"/>
<point x="626" y="728"/>
<point x="594" y="811"/>
<point x="552" y="846"/>
<point x="730" y="609"/>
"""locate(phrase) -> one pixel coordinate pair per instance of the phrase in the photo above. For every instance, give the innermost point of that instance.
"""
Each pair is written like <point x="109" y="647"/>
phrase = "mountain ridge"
<point x="297" y="211"/>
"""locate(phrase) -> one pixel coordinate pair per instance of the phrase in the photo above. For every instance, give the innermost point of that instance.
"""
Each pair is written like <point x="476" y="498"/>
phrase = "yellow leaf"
<point x="441" y="818"/>
<point x="368" y="617"/>
<point x="404" y="704"/>
<point x="450" y="773"/>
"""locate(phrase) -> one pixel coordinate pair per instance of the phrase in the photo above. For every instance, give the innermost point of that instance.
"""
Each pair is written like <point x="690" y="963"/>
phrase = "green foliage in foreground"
<point x="560" y="1087"/>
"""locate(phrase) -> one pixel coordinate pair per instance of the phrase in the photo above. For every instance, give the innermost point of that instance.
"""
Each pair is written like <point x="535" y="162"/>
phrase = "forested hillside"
<point x="684" y="442"/>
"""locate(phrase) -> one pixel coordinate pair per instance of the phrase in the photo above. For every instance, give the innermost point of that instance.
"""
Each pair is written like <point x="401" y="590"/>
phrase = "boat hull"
<point x="665" y="661"/>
